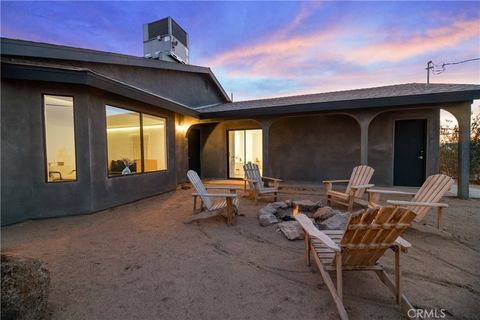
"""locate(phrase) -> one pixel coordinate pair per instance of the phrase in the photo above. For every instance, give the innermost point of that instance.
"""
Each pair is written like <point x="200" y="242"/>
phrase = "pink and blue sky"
<point x="267" y="49"/>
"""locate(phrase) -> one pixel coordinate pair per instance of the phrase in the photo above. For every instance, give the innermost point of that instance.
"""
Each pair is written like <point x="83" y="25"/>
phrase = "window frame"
<point x="142" y="156"/>
<point x="44" y="129"/>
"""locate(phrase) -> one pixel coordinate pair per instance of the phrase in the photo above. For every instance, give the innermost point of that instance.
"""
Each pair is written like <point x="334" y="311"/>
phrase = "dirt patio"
<point x="139" y="261"/>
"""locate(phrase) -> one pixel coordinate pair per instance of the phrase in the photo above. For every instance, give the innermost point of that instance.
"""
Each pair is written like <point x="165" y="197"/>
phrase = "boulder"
<point x="267" y="219"/>
<point x="337" y="222"/>
<point x="306" y="205"/>
<point x="279" y="205"/>
<point x="324" y="213"/>
<point x="292" y="230"/>
<point x="282" y="213"/>
<point x="268" y="209"/>
<point x="25" y="283"/>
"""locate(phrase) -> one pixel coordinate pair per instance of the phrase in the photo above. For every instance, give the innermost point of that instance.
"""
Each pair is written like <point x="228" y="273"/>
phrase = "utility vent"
<point x="165" y="40"/>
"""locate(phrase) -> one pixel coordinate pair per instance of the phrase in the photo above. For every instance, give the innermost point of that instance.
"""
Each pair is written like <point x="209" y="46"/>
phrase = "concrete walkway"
<point x="474" y="191"/>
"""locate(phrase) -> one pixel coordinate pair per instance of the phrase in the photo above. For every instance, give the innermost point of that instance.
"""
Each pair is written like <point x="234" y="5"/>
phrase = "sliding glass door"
<point x="243" y="146"/>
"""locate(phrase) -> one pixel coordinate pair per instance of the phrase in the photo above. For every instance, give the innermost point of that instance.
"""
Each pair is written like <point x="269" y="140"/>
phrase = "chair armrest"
<point x="312" y="231"/>
<point x="220" y="195"/>
<point x="335" y="181"/>
<point x="419" y="204"/>
<point x="362" y="186"/>
<point x="273" y="179"/>
<point x="251" y="180"/>
<point x="402" y="244"/>
<point x="390" y="192"/>
<point x="223" y="188"/>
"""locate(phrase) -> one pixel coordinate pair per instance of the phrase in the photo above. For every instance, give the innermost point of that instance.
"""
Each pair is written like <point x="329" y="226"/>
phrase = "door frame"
<point x="200" y="149"/>
<point x="244" y="148"/>
<point x="427" y="127"/>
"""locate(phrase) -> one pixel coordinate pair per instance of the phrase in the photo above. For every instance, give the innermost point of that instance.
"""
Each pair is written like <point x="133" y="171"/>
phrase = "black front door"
<point x="194" y="151"/>
<point x="409" y="152"/>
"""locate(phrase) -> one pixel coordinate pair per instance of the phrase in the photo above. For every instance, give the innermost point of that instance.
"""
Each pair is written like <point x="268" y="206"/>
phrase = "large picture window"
<point x="59" y="138"/>
<point x="136" y="142"/>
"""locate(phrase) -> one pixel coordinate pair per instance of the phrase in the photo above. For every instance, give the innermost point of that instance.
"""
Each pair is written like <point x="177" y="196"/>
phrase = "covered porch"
<point x="308" y="146"/>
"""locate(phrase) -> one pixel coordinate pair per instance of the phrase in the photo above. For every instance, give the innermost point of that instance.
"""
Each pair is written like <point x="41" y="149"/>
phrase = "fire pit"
<point x="281" y="214"/>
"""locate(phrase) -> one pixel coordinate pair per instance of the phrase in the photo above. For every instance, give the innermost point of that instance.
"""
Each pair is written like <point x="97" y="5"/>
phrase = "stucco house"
<point x="85" y="130"/>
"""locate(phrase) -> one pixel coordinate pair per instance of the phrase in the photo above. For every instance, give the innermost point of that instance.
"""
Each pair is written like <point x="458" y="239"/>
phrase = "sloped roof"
<point x="85" y="76"/>
<point x="401" y="94"/>
<point x="23" y="48"/>
<point x="385" y="96"/>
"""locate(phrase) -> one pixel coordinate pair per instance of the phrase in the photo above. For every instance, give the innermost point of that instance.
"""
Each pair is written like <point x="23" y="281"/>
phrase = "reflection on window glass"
<point x="154" y="143"/>
<point x="123" y="141"/>
<point x="60" y="138"/>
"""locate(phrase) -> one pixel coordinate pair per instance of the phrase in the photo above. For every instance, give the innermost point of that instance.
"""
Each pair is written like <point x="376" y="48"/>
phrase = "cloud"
<point x="393" y="50"/>
<point x="291" y="56"/>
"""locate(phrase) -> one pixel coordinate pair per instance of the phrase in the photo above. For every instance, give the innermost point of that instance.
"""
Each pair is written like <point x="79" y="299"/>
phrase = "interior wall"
<point x="314" y="148"/>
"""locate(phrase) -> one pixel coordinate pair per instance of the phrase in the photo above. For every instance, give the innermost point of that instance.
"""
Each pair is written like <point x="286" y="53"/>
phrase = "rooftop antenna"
<point x="428" y="68"/>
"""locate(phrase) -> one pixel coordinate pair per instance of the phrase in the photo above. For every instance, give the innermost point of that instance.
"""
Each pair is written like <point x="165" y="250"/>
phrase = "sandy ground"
<point x="139" y="261"/>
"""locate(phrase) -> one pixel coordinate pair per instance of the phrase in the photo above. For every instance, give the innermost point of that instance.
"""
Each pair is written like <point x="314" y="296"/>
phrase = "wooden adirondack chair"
<point x="256" y="182"/>
<point x="209" y="208"/>
<point x="426" y="198"/>
<point x="367" y="235"/>
<point x="357" y="184"/>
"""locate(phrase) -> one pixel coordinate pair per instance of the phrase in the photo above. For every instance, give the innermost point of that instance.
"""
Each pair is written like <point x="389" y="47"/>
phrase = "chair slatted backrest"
<point x="199" y="188"/>
<point x="369" y="233"/>
<point x="361" y="175"/>
<point x="253" y="173"/>
<point x="432" y="190"/>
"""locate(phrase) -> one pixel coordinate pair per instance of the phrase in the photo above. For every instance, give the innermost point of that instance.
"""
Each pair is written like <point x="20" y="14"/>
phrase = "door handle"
<point x="421" y="155"/>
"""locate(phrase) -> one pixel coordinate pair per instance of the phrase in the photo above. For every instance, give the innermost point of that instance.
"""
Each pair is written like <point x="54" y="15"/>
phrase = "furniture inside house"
<point x="117" y="167"/>
<point x="256" y="182"/>
<point x="61" y="171"/>
<point x="366" y="237"/>
<point x="209" y="208"/>
<point x="358" y="182"/>
<point x="426" y="198"/>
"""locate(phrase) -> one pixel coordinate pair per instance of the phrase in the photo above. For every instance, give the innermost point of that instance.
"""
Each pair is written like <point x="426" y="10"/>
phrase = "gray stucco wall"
<point x="26" y="194"/>
<point x="214" y="146"/>
<point x="381" y="142"/>
<point x="189" y="88"/>
<point x="318" y="147"/>
<point x="307" y="149"/>
<point x="314" y="148"/>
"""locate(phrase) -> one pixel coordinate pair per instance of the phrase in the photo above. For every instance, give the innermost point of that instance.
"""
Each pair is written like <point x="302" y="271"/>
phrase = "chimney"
<point x="165" y="40"/>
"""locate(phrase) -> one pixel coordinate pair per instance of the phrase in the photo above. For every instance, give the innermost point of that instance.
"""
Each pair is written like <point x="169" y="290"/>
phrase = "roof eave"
<point x="88" y="78"/>
<point x="424" y="99"/>
<point x="23" y="48"/>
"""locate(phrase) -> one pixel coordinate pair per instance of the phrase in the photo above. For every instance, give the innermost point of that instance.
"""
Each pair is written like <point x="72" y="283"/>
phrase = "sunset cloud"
<point x="433" y="40"/>
<point x="292" y="56"/>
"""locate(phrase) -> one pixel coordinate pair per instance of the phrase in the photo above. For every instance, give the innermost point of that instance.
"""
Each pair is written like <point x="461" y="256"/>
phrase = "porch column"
<point x="364" y="142"/>
<point x="363" y="118"/>
<point x="463" y="112"/>
<point x="266" y="124"/>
